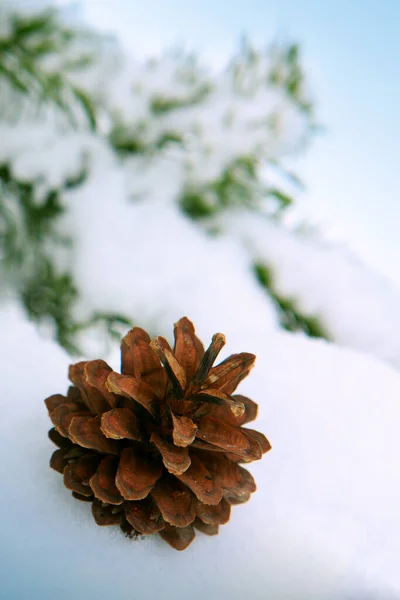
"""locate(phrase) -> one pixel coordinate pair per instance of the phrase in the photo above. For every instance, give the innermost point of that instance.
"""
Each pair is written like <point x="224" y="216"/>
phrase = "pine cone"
<point x="156" y="449"/>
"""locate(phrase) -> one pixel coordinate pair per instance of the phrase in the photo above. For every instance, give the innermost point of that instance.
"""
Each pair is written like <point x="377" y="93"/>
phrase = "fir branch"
<point x="24" y="53"/>
<point x="290" y="317"/>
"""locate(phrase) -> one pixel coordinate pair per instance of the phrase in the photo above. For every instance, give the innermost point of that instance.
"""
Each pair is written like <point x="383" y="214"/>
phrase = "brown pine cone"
<point x="157" y="448"/>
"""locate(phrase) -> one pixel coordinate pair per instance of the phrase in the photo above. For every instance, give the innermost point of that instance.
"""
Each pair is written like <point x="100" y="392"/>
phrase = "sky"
<point x="351" y="55"/>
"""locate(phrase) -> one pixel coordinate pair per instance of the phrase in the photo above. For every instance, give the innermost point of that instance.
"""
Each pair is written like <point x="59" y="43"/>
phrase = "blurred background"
<point x="349" y="52"/>
<point x="252" y="148"/>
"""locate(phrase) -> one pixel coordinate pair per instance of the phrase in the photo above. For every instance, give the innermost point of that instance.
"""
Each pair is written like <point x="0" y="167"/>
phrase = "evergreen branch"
<point x="290" y="317"/>
<point x="23" y="57"/>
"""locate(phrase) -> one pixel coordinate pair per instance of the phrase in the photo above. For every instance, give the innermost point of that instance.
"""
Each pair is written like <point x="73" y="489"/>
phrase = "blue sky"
<point x="351" y="53"/>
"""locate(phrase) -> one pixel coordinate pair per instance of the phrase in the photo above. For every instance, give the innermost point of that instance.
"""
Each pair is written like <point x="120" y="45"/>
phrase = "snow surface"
<point x="356" y="306"/>
<point x="324" y="523"/>
<point x="149" y="261"/>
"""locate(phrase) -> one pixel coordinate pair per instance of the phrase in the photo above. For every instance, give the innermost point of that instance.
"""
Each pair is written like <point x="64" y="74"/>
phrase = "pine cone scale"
<point x="174" y="370"/>
<point x="210" y="355"/>
<point x="86" y="432"/>
<point x="188" y="349"/>
<point x="138" y="390"/>
<point x="175" y="458"/>
<point x="237" y="365"/>
<point x="136" y="474"/>
<point x="105" y="515"/>
<point x="175" y="502"/>
<point x="199" y="479"/>
<point x="178" y="537"/>
<point x="205" y="527"/>
<point x="184" y="430"/>
<point x="102" y="482"/>
<point x="59" y="440"/>
<point x="91" y="397"/>
<point x="121" y="423"/>
<point x="227" y="437"/>
<point x="96" y="373"/>
<point x="250" y="408"/>
<point x="58" y="462"/>
<point x="62" y="416"/>
<point x="77" y="474"/>
<point x="259" y="438"/>
<point x="219" y="398"/>
<point x="144" y="517"/>
<point x="214" y="515"/>
<point x="138" y="360"/>
<point x="54" y="401"/>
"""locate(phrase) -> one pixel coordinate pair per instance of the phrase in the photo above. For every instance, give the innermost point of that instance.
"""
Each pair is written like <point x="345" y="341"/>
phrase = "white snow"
<point x="150" y="262"/>
<point x="43" y="155"/>
<point x="356" y="307"/>
<point x="324" y="523"/>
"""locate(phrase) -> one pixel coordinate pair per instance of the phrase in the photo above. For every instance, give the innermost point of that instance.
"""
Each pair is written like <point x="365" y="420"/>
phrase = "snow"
<point x="42" y="154"/>
<point x="323" y="524"/>
<point x="230" y="122"/>
<point x="356" y="307"/>
<point x="150" y="262"/>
